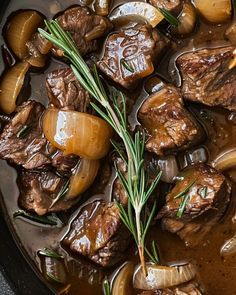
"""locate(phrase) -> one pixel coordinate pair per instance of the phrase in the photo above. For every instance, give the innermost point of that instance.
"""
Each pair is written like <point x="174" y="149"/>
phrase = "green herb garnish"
<point x="24" y="131"/>
<point x="153" y="254"/>
<point x="135" y="183"/>
<point x="63" y="191"/>
<point x="203" y="192"/>
<point x="126" y="65"/>
<point x="185" y="191"/>
<point x="169" y="17"/>
<point x="50" y="253"/>
<point x="106" y="287"/>
<point x="185" y="198"/>
<point x="47" y="220"/>
<point x="55" y="279"/>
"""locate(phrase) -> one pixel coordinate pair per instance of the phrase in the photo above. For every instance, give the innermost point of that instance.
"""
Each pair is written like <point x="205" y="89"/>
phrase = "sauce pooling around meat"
<point x="188" y="128"/>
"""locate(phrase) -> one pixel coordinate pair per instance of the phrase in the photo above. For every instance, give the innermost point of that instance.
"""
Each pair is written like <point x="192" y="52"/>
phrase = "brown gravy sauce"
<point x="217" y="275"/>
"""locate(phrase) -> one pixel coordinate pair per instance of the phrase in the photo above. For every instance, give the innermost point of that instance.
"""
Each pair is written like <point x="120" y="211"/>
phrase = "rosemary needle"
<point x="135" y="184"/>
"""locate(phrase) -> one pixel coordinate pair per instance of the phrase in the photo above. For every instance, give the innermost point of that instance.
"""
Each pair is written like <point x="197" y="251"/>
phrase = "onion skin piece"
<point x="10" y="86"/>
<point x="139" y="9"/>
<point x="77" y="133"/>
<point x="225" y="160"/>
<point x="215" y="11"/>
<point x="83" y="178"/>
<point x="123" y="280"/>
<point x="20" y="29"/>
<point x="187" y="20"/>
<point x="162" y="277"/>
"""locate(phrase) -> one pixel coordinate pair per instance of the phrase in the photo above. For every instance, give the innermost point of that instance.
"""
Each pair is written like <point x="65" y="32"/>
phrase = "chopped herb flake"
<point x="24" y="131"/>
<point x="126" y="65"/>
<point x="203" y="192"/>
<point x="169" y="17"/>
<point x="50" y="253"/>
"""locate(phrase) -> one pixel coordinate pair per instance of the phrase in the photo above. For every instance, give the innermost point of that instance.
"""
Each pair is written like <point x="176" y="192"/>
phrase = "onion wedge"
<point x="10" y="86"/>
<point x="138" y="9"/>
<point x="123" y="280"/>
<point x="20" y="29"/>
<point x="225" y="160"/>
<point x="161" y="277"/>
<point x="215" y="11"/>
<point x="77" y="133"/>
<point x="84" y="176"/>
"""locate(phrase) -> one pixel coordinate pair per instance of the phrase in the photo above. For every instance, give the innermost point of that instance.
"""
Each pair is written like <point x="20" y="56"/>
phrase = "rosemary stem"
<point x="140" y="241"/>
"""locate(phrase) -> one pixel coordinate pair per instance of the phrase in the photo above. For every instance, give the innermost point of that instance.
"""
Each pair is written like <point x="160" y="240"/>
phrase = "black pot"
<point x="16" y="276"/>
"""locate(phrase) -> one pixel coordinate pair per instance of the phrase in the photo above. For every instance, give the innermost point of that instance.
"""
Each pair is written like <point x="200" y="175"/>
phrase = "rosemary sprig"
<point x="50" y="253"/>
<point x="135" y="183"/>
<point x="169" y="17"/>
<point x="46" y="220"/>
<point x="106" y="287"/>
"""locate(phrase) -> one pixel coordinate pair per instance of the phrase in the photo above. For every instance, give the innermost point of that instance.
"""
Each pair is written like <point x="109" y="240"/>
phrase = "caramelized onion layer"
<point x="21" y="29"/>
<point x="83" y="177"/>
<point x="161" y="277"/>
<point x="77" y="133"/>
<point x="140" y="10"/>
<point x="215" y="11"/>
<point x="10" y="86"/>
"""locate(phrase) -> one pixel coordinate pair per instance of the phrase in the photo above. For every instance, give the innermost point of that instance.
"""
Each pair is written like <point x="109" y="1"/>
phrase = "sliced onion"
<point x="187" y="19"/>
<point x="37" y="61"/>
<point x="77" y="133"/>
<point x="215" y="11"/>
<point x="225" y="160"/>
<point x="169" y="167"/>
<point x="161" y="277"/>
<point x="122" y="282"/>
<point x="140" y="10"/>
<point x="21" y="29"/>
<point x="229" y="247"/>
<point x="10" y="86"/>
<point x="84" y="176"/>
<point x="102" y="7"/>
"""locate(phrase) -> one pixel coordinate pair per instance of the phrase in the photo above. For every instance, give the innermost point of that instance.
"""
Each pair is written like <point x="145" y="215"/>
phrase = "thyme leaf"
<point x="203" y="192"/>
<point x="50" y="253"/>
<point x="185" y="198"/>
<point x="24" y="131"/>
<point x="126" y="65"/>
<point x="106" y="287"/>
<point x="169" y="17"/>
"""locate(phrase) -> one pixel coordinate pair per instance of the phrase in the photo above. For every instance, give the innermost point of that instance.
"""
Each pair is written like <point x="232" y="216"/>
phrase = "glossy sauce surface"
<point x="217" y="274"/>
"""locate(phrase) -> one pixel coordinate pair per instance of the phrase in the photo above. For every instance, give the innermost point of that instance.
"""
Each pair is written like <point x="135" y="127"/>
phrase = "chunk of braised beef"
<point x="98" y="234"/>
<point x="22" y="141"/>
<point x="65" y="92"/>
<point x="85" y="27"/>
<point x="38" y="45"/>
<point x="170" y="126"/>
<point x="209" y="76"/>
<point x="38" y="190"/>
<point x="131" y="54"/>
<point x="204" y="194"/>
<point x="230" y="33"/>
<point x="173" y="6"/>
